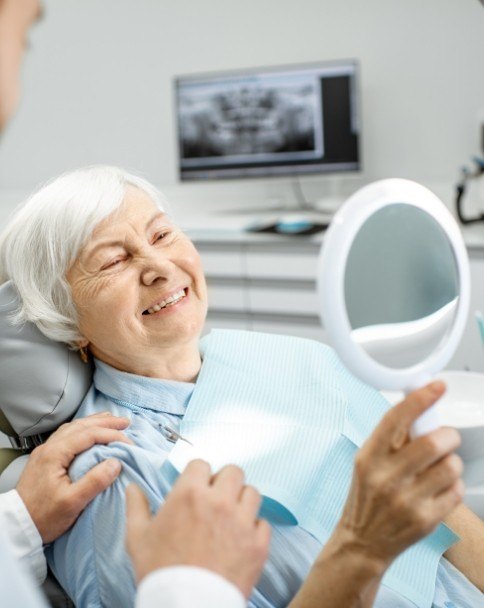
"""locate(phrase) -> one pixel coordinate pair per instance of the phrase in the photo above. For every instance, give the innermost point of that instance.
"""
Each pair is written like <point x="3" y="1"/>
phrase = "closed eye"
<point x="113" y="263"/>
<point x="162" y="236"/>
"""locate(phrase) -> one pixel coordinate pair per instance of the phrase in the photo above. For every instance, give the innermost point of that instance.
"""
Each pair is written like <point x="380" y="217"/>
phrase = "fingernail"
<point x="114" y="466"/>
<point x="437" y="387"/>
<point x="123" y="420"/>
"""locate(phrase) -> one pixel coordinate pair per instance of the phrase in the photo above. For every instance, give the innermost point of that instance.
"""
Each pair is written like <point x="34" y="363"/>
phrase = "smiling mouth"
<point x="170" y="301"/>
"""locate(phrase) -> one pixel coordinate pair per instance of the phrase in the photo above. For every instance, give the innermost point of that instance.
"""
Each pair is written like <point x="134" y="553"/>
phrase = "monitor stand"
<point x="261" y="209"/>
<point x="301" y="206"/>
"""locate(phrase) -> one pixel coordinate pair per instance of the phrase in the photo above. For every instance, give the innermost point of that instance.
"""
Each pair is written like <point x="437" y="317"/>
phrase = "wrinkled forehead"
<point x="136" y="211"/>
<point x="136" y="216"/>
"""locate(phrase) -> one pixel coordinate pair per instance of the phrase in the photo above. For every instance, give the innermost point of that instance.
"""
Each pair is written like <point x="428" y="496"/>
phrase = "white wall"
<point x="97" y="85"/>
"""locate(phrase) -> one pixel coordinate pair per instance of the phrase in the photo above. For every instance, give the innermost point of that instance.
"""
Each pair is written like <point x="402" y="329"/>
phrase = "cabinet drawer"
<point x="283" y="300"/>
<point x="281" y="265"/>
<point x="227" y="297"/>
<point x="222" y="261"/>
<point x="225" y="321"/>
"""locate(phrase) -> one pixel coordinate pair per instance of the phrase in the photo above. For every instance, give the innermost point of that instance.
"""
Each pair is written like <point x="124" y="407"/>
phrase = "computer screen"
<point x="269" y="121"/>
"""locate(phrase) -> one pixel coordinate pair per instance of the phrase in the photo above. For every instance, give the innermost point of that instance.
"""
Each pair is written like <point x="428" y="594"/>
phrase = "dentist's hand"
<point x="53" y="501"/>
<point x="402" y="489"/>
<point x="206" y="521"/>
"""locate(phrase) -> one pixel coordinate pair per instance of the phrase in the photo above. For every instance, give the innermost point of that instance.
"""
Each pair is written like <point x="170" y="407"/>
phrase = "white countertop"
<point x="473" y="235"/>
<point x="218" y="220"/>
<point x="231" y="228"/>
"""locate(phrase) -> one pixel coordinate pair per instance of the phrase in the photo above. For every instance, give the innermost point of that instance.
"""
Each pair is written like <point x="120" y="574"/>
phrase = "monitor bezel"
<point x="282" y="171"/>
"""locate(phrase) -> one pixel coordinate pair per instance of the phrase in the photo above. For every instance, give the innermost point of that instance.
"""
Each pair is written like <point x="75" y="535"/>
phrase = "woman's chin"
<point x="178" y="328"/>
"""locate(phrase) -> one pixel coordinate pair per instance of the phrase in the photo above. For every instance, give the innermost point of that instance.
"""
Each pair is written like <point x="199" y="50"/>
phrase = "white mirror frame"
<point x="331" y="282"/>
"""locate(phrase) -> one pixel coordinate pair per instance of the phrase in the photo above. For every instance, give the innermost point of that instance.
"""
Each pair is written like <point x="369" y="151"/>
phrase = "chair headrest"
<point x="42" y="382"/>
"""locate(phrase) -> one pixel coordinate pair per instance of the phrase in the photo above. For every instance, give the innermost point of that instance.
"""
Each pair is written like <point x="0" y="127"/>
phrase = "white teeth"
<point x="170" y="300"/>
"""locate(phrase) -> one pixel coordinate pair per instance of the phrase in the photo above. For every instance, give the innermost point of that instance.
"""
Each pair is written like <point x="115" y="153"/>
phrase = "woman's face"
<point x="138" y="287"/>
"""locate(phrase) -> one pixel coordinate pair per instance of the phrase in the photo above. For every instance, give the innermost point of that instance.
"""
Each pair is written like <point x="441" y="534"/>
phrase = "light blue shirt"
<point x="90" y="560"/>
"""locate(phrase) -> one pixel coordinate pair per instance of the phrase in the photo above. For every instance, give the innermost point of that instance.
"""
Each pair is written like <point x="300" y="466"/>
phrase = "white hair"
<point x="46" y="234"/>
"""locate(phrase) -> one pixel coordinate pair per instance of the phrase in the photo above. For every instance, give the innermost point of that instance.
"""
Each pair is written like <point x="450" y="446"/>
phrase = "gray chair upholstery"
<point x="42" y="384"/>
<point x="9" y="476"/>
<point x="7" y="455"/>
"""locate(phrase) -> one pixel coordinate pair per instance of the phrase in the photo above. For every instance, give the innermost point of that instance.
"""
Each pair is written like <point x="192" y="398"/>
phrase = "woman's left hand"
<point x="402" y="489"/>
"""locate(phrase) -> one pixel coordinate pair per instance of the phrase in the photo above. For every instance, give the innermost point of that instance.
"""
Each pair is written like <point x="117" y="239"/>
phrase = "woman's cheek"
<point x="84" y="294"/>
<point x="99" y="303"/>
<point x="193" y="263"/>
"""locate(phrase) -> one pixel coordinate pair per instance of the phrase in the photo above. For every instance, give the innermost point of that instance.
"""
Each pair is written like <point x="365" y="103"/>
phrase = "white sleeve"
<point x="187" y="587"/>
<point x="25" y="540"/>
<point x="17" y="587"/>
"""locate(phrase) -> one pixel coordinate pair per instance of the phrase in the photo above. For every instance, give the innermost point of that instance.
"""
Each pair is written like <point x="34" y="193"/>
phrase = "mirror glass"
<point x="401" y="286"/>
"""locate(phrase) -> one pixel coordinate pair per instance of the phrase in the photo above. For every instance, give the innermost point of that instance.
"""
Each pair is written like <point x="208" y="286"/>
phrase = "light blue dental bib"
<point x="288" y="412"/>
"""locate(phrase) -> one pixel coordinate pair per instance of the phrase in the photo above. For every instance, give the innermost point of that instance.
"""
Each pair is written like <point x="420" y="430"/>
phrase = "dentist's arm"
<point x="46" y="503"/>
<point x="205" y="547"/>
<point x="401" y="490"/>
<point x="18" y="589"/>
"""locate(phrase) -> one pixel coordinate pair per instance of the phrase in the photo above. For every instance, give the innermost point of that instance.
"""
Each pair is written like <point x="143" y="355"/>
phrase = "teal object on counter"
<point x="480" y="325"/>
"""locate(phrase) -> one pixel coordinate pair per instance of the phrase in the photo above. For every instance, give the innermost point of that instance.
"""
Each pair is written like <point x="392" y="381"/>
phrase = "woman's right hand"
<point x="401" y="489"/>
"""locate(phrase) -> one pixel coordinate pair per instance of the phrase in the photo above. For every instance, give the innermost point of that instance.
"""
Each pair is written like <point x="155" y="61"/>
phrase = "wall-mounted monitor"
<point x="269" y="121"/>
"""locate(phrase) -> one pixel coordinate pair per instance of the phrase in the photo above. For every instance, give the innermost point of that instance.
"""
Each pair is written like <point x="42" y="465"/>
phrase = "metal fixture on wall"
<point x="466" y="176"/>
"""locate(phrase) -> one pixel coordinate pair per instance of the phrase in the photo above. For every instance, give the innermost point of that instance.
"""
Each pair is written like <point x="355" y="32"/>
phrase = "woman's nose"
<point x="155" y="269"/>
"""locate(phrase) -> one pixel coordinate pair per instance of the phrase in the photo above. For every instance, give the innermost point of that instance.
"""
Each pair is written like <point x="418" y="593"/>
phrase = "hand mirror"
<point x="394" y="286"/>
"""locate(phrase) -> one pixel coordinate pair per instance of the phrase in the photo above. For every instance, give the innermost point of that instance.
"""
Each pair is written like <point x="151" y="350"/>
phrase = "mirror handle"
<point x="430" y="419"/>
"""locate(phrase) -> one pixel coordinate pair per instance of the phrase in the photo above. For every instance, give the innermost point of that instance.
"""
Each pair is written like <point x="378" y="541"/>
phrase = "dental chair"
<point x="42" y="384"/>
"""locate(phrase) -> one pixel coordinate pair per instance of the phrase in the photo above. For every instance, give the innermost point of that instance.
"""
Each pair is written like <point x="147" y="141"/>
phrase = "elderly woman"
<point x="99" y="265"/>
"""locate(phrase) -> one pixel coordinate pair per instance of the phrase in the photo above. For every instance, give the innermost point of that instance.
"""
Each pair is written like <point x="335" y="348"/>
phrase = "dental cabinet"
<point x="262" y="283"/>
<point x="267" y="283"/>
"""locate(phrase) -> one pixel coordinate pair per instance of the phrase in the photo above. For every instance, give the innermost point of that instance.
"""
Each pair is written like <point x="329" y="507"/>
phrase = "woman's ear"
<point x="84" y="343"/>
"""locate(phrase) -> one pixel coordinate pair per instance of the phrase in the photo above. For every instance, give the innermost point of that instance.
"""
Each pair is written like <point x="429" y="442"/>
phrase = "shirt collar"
<point x="166" y="396"/>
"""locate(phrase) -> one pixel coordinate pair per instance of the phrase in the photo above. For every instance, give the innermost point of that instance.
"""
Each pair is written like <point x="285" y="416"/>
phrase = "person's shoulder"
<point x="140" y="457"/>
<point x="96" y="402"/>
<point x="130" y="456"/>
